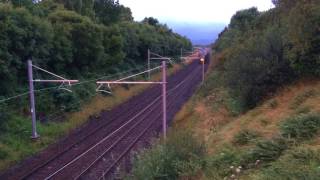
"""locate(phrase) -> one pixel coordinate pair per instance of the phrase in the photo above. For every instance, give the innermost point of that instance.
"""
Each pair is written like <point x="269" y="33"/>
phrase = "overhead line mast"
<point x="60" y="79"/>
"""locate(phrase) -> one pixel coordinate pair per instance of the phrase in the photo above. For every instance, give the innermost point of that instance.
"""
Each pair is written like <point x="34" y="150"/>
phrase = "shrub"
<point x="256" y="68"/>
<point x="303" y="37"/>
<point x="244" y="137"/>
<point x="218" y="165"/>
<point x="265" y="151"/>
<point x="298" y="163"/>
<point x="66" y="101"/>
<point x="303" y="126"/>
<point x="181" y="155"/>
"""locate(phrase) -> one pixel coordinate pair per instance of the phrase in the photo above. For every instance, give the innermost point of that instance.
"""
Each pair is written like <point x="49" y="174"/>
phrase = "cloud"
<point x="201" y="34"/>
<point x="200" y="20"/>
<point x="192" y="11"/>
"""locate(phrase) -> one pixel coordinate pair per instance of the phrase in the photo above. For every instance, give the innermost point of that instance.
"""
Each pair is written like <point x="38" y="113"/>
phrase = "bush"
<point x="223" y="164"/>
<point x="255" y="67"/>
<point x="298" y="163"/>
<point x="218" y="166"/>
<point x="265" y="151"/>
<point x="303" y="37"/>
<point x="181" y="155"/>
<point x="244" y="137"/>
<point x="303" y="126"/>
<point x="66" y="101"/>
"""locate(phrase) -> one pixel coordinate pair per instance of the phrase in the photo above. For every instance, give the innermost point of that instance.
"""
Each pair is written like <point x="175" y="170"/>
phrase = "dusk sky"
<point x="191" y="17"/>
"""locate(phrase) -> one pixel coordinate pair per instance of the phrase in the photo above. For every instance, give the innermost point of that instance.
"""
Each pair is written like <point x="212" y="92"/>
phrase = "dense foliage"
<point x="262" y="51"/>
<point x="78" y="39"/>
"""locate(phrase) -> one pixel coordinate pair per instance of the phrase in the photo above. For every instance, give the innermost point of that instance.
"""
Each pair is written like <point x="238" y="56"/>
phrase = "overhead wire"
<point x="93" y="94"/>
<point x="75" y="84"/>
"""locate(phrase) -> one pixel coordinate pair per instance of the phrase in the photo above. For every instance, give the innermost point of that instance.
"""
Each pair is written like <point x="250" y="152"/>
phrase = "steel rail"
<point x="101" y="141"/>
<point x="131" y="145"/>
<point x="82" y="139"/>
<point x="112" y="146"/>
<point x="115" y="143"/>
<point x="117" y="130"/>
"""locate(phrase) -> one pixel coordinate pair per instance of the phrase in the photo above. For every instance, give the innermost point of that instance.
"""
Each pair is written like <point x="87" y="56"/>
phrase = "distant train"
<point x="199" y="54"/>
<point x="203" y="55"/>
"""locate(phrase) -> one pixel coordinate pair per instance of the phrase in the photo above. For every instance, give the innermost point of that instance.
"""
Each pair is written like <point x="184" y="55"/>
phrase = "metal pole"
<point x="32" y="101"/>
<point x="149" y="64"/>
<point x="164" y="99"/>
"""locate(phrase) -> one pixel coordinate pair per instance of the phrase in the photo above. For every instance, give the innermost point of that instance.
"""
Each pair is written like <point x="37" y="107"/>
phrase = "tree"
<point x="125" y="14"/>
<point x="22" y="36"/>
<point x="303" y="48"/>
<point x="83" y="7"/>
<point x="151" y="21"/>
<point x="107" y="11"/>
<point x="244" y="20"/>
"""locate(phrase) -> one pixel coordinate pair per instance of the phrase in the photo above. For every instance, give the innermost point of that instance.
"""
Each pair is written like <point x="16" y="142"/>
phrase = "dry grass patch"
<point x="99" y="102"/>
<point x="218" y="128"/>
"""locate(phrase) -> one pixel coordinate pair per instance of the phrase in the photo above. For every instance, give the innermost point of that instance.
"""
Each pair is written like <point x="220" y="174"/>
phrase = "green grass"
<point x="298" y="164"/>
<point x="302" y="126"/>
<point x="265" y="151"/>
<point x="245" y="136"/>
<point x="180" y="155"/>
<point x="16" y="143"/>
<point x="223" y="163"/>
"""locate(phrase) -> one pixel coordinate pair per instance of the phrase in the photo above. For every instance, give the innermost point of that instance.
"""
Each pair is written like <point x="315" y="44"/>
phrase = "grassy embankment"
<point x="17" y="145"/>
<point x="276" y="140"/>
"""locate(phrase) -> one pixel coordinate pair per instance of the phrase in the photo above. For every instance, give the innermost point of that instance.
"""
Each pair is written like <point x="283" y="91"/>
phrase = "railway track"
<point x="155" y="124"/>
<point x="133" y="134"/>
<point x="87" y="152"/>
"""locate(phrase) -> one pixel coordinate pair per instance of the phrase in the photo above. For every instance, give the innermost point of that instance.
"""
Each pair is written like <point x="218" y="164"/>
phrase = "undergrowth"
<point x="302" y="126"/>
<point x="245" y="136"/>
<point x="178" y="156"/>
<point x="298" y="163"/>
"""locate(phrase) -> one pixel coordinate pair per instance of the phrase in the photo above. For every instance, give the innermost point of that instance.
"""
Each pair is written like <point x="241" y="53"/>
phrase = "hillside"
<point x="257" y="115"/>
<point x="250" y="139"/>
<point x="278" y="139"/>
